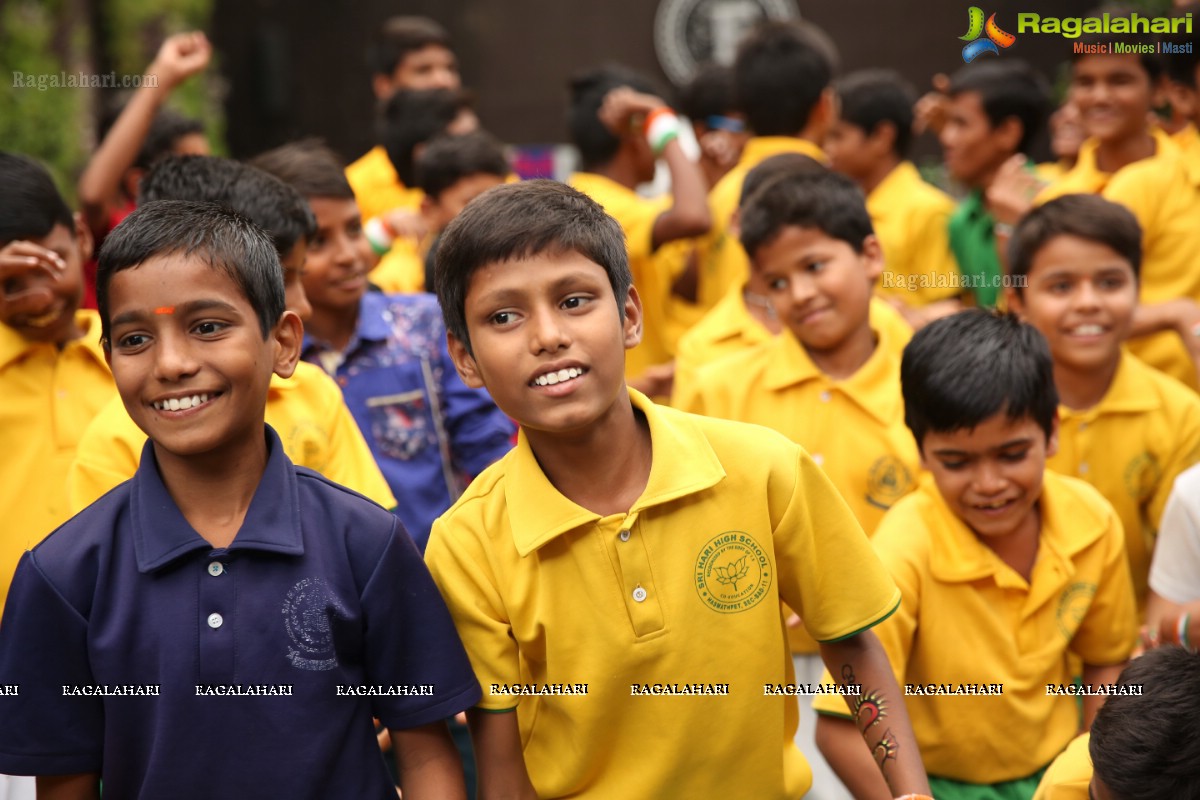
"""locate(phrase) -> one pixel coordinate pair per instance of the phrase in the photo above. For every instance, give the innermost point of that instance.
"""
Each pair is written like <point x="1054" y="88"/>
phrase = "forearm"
<point x="1155" y="317"/>
<point x="1097" y="676"/>
<point x="688" y="215"/>
<point x="101" y="178"/>
<point x="85" y="786"/>
<point x="879" y="712"/>
<point x="428" y="763"/>
<point x="499" y="757"/>
<point x="842" y="745"/>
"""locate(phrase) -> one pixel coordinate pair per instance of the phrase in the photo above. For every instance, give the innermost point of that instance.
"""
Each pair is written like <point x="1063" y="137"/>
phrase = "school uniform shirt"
<point x="428" y="432"/>
<point x="1070" y="774"/>
<point x="377" y="187"/>
<point x="973" y="242"/>
<point x="678" y="596"/>
<point x="1177" y="556"/>
<point x="48" y="396"/>
<point x="969" y="624"/>
<point x="723" y="262"/>
<point x="1188" y="139"/>
<point x="1163" y="192"/>
<point x="306" y="409"/>
<point x="244" y="647"/>
<point x="910" y="218"/>
<point x="1131" y="446"/>
<point x="637" y="216"/>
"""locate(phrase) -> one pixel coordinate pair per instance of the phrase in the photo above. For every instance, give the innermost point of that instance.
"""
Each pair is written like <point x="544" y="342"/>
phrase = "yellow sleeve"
<point x="827" y="570"/>
<point x="1185" y="439"/>
<point x="933" y="253"/>
<point x="350" y="461"/>
<point x="108" y="455"/>
<point x="1109" y="628"/>
<point x="461" y="569"/>
<point x="1069" y="775"/>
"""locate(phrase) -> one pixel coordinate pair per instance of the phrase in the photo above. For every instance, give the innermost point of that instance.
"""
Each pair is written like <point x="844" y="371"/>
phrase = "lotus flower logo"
<point x="996" y="38"/>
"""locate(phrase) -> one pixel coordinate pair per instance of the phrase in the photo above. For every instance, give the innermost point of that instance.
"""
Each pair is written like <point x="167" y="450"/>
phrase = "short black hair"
<point x="779" y="72"/>
<point x="30" y="203"/>
<point x="1088" y="216"/>
<point x="1008" y="88"/>
<point x="1180" y="66"/>
<point x="399" y="36"/>
<point x="309" y="167"/>
<point x="270" y="203"/>
<point x="520" y="221"/>
<point x="825" y="200"/>
<point x="960" y="370"/>
<point x="871" y="97"/>
<point x="709" y="93"/>
<point x="221" y="238"/>
<point x="1143" y="746"/>
<point x="167" y="128"/>
<point x="449" y="159"/>
<point x="595" y="142"/>
<point x="1151" y="62"/>
<point x="414" y="116"/>
<point x="778" y="165"/>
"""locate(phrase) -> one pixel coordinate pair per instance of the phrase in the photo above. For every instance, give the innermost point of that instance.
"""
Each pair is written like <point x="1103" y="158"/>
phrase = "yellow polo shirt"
<point x="1131" y="446"/>
<point x="306" y="410"/>
<point x="684" y="589"/>
<point x="723" y="262"/>
<point x="1188" y="139"/>
<point x="1163" y="192"/>
<point x="377" y="187"/>
<point x="1070" y="774"/>
<point x="911" y="219"/>
<point x="47" y="398"/>
<point x="969" y="619"/>
<point x="401" y="270"/>
<point x="637" y="216"/>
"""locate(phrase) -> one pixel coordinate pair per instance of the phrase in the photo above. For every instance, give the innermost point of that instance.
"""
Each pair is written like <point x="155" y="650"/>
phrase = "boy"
<point x="452" y="171"/>
<point x="52" y="373"/>
<point x="621" y="546"/>
<point x="171" y="585"/>
<point x="1008" y="572"/>
<point x="306" y="409"/>
<point x="1173" y="606"/>
<point x="870" y="143"/>
<point x="621" y="128"/>
<point x="996" y="109"/>
<point x="1124" y="427"/>
<point x="719" y="128"/>
<point x="427" y="431"/>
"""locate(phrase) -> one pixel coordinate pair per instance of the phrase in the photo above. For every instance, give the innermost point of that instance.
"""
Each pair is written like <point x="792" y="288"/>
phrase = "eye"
<point x="1112" y="282"/>
<point x="575" y="301"/>
<point x="502" y="318"/>
<point x="132" y="341"/>
<point x="209" y="327"/>
<point x="777" y="284"/>
<point x="816" y="266"/>
<point x="1060" y="287"/>
<point x="1014" y="456"/>
<point x="953" y="466"/>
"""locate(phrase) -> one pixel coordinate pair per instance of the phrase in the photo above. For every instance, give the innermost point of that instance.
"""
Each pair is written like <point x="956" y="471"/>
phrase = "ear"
<point x="872" y="256"/>
<point x="83" y="237"/>
<point x="464" y="363"/>
<point x="288" y="336"/>
<point x="882" y="140"/>
<point x="1015" y="302"/>
<point x="822" y="116"/>
<point x="382" y="86"/>
<point x="633" y="319"/>
<point x="1009" y="133"/>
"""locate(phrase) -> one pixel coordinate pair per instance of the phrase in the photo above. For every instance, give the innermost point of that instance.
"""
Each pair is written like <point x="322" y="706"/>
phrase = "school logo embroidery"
<point x="306" y="614"/>
<point x="733" y="572"/>
<point x="887" y="482"/>
<point x="1073" y="604"/>
<point x="976" y="27"/>
<point x="1142" y="476"/>
<point x="688" y="33"/>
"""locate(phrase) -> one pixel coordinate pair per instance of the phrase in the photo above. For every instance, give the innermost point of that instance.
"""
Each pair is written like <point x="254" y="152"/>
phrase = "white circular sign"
<point x="688" y="33"/>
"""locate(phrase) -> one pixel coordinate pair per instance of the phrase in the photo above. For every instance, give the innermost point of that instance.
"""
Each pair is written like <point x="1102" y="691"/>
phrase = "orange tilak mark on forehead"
<point x="165" y="310"/>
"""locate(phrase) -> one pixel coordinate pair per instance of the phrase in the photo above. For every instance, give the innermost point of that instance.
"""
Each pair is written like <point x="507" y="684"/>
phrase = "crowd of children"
<point x="803" y="479"/>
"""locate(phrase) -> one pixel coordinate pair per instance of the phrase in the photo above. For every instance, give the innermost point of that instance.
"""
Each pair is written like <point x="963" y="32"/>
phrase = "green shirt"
<point x="973" y="241"/>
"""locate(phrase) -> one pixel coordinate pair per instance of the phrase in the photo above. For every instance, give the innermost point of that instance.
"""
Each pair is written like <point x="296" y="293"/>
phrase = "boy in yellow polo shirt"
<point x="1008" y="572"/>
<point x="53" y="378"/>
<point x="1124" y="427"/>
<point x="870" y="143"/>
<point x="616" y="578"/>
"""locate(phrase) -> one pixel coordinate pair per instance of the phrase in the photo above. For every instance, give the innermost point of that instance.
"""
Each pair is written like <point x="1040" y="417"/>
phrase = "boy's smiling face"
<point x="40" y="303"/>
<point x="991" y="475"/>
<point x="189" y="358"/>
<point x="339" y="256"/>
<point x="1081" y="296"/>
<point x="1114" y="95"/>
<point x="548" y="340"/>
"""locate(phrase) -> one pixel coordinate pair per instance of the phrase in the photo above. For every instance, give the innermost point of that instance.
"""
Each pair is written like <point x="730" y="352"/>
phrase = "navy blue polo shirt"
<point x="270" y="657"/>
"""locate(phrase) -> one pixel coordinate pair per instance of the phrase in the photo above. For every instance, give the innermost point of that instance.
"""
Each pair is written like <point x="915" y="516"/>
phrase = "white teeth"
<point x="181" y="403"/>
<point x="551" y="378"/>
<point x="1089" y="330"/>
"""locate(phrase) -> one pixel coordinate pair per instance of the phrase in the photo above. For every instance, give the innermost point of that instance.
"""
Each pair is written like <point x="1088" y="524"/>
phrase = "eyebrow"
<point x="503" y="296"/>
<point x="1025" y="440"/>
<point x="183" y="309"/>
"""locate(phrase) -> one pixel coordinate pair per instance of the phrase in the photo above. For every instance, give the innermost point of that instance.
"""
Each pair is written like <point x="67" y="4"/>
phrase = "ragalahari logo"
<point x="996" y="38"/>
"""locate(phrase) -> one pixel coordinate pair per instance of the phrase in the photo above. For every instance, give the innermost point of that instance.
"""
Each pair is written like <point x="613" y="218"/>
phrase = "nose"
<point x="547" y="333"/>
<point x="446" y="78"/>
<point x="989" y="479"/>
<point x="1086" y="297"/>
<point x="174" y="357"/>
<point x="803" y="289"/>
<point x="297" y="300"/>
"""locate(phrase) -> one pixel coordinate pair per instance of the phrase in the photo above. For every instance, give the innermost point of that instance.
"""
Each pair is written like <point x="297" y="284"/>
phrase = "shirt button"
<point x="216" y="568"/>
<point x="818" y="459"/>
<point x="215" y="620"/>
<point x="825" y="397"/>
<point x="623" y="536"/>
<point x="639" y="594"/>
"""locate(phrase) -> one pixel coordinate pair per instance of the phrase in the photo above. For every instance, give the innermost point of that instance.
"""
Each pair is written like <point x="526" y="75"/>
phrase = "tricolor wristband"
<point x="379" y="234"/>
<point x="1185" y="622"/>
<point x="661" y="128"/>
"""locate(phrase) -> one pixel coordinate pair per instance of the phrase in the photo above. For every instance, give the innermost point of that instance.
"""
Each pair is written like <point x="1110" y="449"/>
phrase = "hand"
<point x="931" y="110"/>
<point x="1012" y="191"/>
<point x="623" y="105"/>
<point x="24" y="270"/>
<point x="656" y="381"/>
<point x="180" y="57"/>
<point x="406" y="223"/>
<point x="1186" y="316"/>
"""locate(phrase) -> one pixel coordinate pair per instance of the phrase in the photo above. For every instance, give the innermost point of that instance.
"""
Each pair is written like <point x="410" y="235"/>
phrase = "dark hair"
<point x="779" y="73"/>
<point x="30" y="203"/>
<point x="962" y="369"/>
<point x="1088" y="216"/>
<point x="1180" y="66"/>
<point x="449" y="159"/>
<point x="595" y="142"/>
<point x="1008" y="88"/>
<point x="223" y="239"/>
<point x="1143" y="746"/>
<point x="827" y="201"/>
<point x="871" y="97"/>
<point x="400" y="36"/>
<point x="167" y="128"/>
<point x="414" y="116"/>
<point x="775" y="167"/>
<point x="520" y="221"/>
<point x="1150" y="61"/>
<point x="269" y="202"/>
<point x="309" y="167"/>
<point x="709" y="93"/>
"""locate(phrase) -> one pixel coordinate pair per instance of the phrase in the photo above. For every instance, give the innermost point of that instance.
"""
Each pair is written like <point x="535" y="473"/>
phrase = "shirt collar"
<point x="161" y="534"/>
<point x="1126" y="394"/>
<point x="374" y="325"/>
<point x="1087" y="177"/>
<point x="731" y="319"/>
<point x="760" y="148"/>
<point x="682" y="463"/>
<point x="892" y="193"/>
<point x="14" y="346"/>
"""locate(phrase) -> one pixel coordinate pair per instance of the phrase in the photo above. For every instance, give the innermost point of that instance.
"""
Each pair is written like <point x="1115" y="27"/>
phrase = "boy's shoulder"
<point x="904" y="188"/>
<point x="1138" y="386"/>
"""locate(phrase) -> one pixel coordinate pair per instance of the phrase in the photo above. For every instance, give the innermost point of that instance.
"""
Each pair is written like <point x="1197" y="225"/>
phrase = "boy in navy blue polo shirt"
<point x="225" y="624"/>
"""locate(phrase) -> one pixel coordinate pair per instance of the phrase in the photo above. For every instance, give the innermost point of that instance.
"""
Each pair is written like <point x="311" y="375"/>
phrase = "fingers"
<point x="20" y="258"/>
